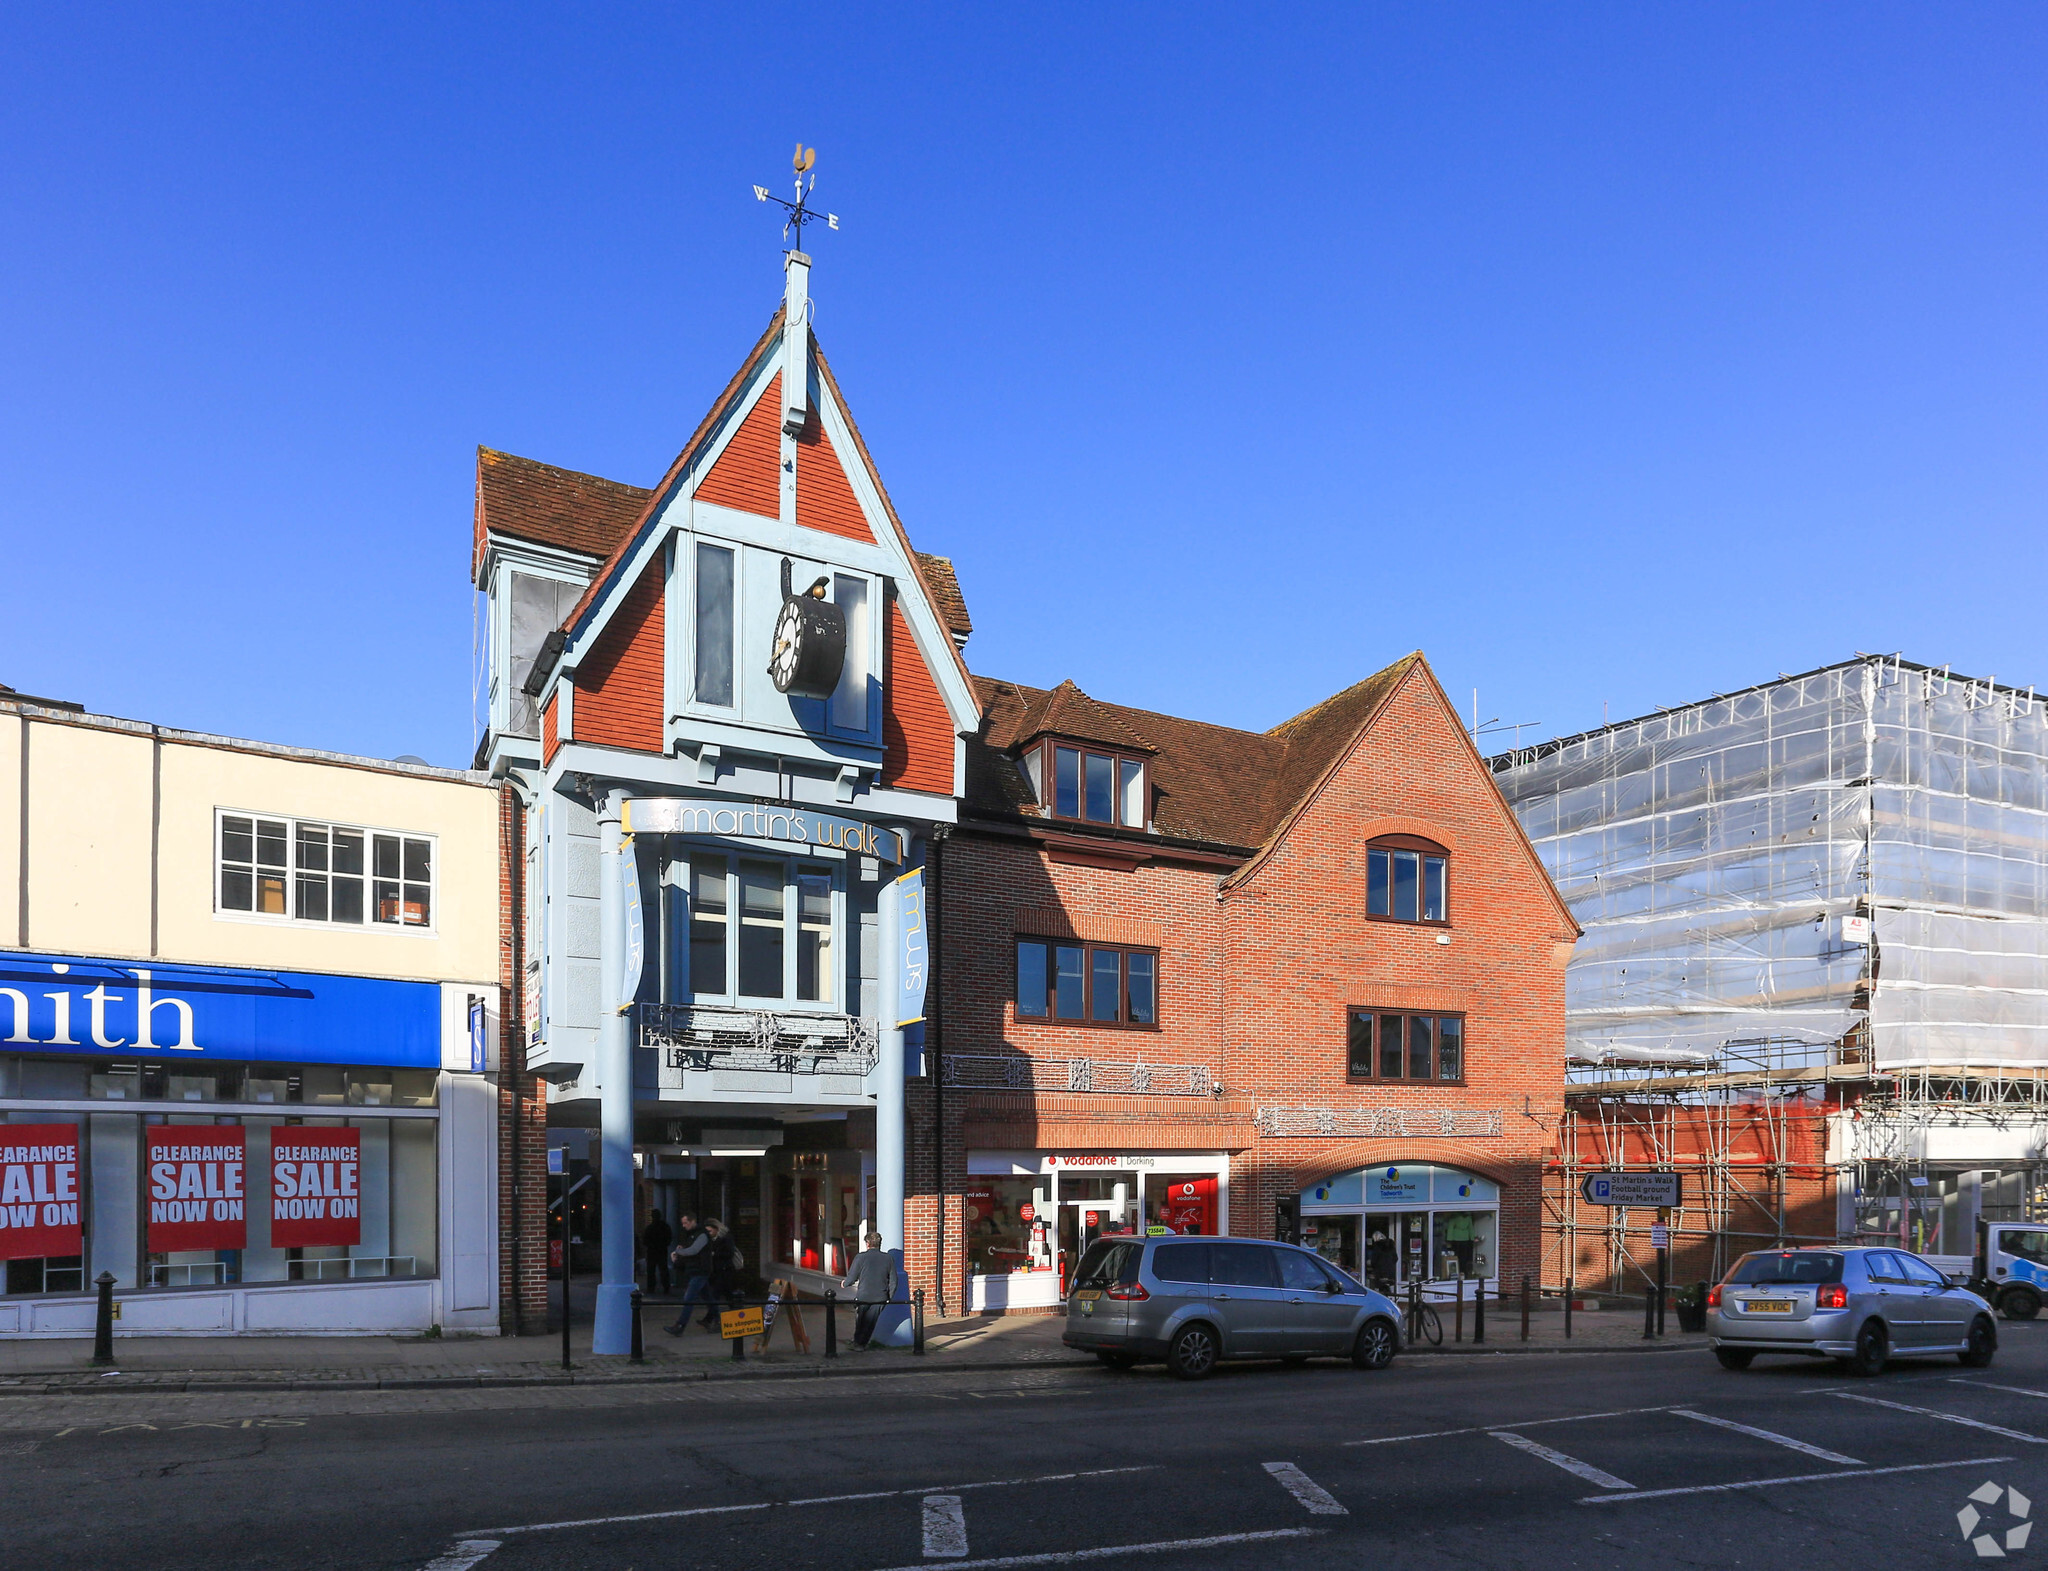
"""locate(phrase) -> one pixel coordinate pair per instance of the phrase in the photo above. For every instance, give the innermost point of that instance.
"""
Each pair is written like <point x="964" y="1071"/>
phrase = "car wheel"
<point x="1872" y="1348"/>
<point x="2019" y="1303"/>
<point x="1734" y="1357"/>
<point x="1193" y="1354"/>
<point x="1119" y="1360"/>
<point x="1376" y="1345"/>
<point x="1983" y="1344"/>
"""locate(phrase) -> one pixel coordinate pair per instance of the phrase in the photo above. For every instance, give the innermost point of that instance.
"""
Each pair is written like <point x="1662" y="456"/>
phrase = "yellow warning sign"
<point x="739" y="1322"/>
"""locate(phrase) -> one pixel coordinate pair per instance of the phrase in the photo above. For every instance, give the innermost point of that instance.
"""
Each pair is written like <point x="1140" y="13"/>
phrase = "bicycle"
<point x="1421" y="1322"/>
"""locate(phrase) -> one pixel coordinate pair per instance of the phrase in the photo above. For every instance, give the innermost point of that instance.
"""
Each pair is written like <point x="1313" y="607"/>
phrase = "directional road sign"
<point x="1631" y="1189"/>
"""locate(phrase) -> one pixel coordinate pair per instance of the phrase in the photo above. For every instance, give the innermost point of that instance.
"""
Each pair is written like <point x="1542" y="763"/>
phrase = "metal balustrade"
<point x="709" y="1036"/>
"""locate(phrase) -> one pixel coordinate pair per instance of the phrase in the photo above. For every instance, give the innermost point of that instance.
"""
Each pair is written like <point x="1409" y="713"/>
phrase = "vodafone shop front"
<point x="244" y="1151"/>
<point x="1029" y="1215"/>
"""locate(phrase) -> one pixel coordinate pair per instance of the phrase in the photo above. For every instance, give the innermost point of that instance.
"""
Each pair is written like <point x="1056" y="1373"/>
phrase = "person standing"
<point x="656" y="1239"/>
<point x="1382" y="1261"/>
<point x="692" y="1260"/>
<point x="872" y="1281"/>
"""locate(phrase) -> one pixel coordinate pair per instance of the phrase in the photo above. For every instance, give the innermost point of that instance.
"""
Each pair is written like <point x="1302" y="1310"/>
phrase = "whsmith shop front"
<point x="244" y="1150"/>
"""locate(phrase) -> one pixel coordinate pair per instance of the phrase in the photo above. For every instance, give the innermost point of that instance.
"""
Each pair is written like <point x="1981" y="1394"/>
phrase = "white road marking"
<point x="466" y="1553"/>
<point x="1988" y="1386"/>
<point x="813" y="1500"/>
<point x="1488" y="1429"/>
<point x="945" y="1528"/>
<point x="1318" y="1500"/>
<point x="1771" y="1435"/>
<point x="1062" y="1557"/>
<point x="1570" y="1464"/>
<point x="1801" y="1478"/>
<point x="1947" y="1418"/>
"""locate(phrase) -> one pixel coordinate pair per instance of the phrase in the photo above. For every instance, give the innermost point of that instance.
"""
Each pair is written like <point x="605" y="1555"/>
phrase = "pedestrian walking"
<point x="872" y="1282"/>
<point x="656" y="1239"/>
<point x="692" y="1260"/>
<point x="722" y="1289"/>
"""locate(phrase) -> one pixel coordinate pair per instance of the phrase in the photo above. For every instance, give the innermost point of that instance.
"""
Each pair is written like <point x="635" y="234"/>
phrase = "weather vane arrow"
<point x="800" y="211"/>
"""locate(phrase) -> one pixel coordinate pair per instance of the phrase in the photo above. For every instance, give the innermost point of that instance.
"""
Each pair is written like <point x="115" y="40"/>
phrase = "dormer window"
<point x="1096" y="787"/>
<point x="1407" y="879"/>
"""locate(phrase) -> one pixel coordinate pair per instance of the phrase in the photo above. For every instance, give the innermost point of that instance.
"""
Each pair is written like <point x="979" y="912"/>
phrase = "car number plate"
<point x="1767" y="1306"/>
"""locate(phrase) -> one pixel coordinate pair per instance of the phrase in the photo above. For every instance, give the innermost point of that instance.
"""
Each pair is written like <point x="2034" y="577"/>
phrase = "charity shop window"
<point x="1407" y="879"/>
<point x="761" y="928"/>
<point x="1097" y="787"/>
<point x="1087" y="984"/>
<point x="1384" y="1046"/>
<point x="301" y="871"/>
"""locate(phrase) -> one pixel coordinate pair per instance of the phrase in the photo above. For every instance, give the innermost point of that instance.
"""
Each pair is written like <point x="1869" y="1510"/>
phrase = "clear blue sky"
<point x="1610" y="355"/>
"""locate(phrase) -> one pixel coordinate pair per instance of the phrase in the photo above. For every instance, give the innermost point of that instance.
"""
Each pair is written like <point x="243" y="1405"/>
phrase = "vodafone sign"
<point x="315" y="1187"/>
<point x="38" y="1190"/>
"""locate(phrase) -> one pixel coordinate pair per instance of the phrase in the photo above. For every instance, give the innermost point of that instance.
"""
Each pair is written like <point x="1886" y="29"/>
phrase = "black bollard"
<point x="1525" y="1307"/>
<point x="639" y="1349"/>
<point x="1567" y="1308"/>
<point x="1458" y="1324"/>
<point x="1649" y="1313"/>
<point x="1479" y="1311"/>
<point x="103" y="1320"/>
<point x="831" y="1323"/>
<point x="917" y="1323"/>
<point x="566" y="1267"/>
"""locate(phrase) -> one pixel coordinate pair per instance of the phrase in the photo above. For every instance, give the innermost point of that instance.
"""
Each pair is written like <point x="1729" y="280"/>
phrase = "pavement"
<point x="30" y="1366"/>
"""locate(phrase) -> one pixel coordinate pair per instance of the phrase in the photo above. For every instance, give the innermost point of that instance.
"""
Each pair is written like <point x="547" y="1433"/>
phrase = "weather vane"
<point x="800" y="212"/>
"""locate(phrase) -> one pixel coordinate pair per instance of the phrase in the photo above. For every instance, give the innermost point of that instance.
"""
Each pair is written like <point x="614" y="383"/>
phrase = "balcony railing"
<point x="709" y="1036"/>
<point x="1100" y="1076"/>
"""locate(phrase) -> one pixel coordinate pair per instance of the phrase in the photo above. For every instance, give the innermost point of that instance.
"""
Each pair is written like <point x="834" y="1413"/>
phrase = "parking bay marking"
<point x="1771" y="1435"/>
<point x="1318" y="1500"/>
<point x="1062" y="1557"/>
<point x="1947" y="1418"/>
<point x="1570" y="1464"/>
<point x="466" y="1553"/>
<point x="1989" y="1386"/>
<point x="1801" y="1478"/>
<point x="1490" y="1429"/>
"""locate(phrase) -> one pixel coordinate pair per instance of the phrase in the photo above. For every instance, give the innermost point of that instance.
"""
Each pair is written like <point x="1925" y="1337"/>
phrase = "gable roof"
<point x="947" y="600"/>
<point x="551" y="506"/>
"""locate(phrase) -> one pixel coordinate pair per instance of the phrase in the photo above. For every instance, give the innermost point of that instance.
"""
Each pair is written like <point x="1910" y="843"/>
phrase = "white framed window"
<point x="714" y="600"/>
<point x="854" y="595"/>
<point x="303" y="870"/>
<point x="762" y="928"/>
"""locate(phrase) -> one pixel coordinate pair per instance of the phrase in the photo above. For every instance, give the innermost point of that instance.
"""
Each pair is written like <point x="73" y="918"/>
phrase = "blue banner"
<point x="75" y="1004"/>
<point x="913" y="959"/>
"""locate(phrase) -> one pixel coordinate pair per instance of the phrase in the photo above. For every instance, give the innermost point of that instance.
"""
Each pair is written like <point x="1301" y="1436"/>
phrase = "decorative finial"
<point x="799" y="211"/>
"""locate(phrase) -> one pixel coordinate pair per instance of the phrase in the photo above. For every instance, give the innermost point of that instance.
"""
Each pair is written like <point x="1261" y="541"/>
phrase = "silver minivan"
<point x="1194" y="1300"/>
<point x="1854" y="1303"/>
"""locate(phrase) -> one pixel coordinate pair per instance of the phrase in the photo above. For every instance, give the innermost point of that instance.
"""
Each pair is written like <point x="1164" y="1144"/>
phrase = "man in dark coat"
<point x="655" y="1241"/>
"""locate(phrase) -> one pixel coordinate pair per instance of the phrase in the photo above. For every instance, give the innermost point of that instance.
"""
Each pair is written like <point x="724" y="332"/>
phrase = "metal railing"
<point x="710" y="1036"/>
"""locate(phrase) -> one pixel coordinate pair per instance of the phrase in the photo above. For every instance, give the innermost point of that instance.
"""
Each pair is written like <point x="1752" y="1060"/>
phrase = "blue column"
<point x="613" y="1332"/>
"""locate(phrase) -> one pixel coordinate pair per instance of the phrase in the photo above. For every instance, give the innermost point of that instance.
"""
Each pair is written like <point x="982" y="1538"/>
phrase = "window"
<point x="707" y="925"/>
<point x="850" y="697"/>
<point x="1097" y="788"/>
<point x="1407" y="879"/>
<point x="1087" y="984"/>
<point x="714" y="625"/>
<point x="761" y="928"/>
<point x="1783" y="1268"/>
<point x="1404" y="1047"/>
<point x="1303" y="1273"/>
<point x="312" y="872"/>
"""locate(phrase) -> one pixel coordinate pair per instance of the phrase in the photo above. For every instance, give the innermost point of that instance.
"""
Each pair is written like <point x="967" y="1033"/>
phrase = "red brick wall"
<point x="620" y="693"/>
<point x="522" y="1104"/>
<point x="917" y="733"/>
<point x="550" y="731"/>
<point x="747" y="474"/>
<point x="824" y="497"/>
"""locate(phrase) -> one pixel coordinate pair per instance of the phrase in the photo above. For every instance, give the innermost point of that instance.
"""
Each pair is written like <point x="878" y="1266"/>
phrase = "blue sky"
<point x="1611" y="355"/>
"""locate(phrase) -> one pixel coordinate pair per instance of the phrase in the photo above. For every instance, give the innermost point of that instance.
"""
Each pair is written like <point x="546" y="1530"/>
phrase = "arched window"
<point x="1407" y="879"/>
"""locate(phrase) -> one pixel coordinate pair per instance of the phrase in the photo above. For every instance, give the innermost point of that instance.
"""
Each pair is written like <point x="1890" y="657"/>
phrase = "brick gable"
<point x="747" y="475"/>
<point x="620" y="686"/>
<point x="824" y="496"/>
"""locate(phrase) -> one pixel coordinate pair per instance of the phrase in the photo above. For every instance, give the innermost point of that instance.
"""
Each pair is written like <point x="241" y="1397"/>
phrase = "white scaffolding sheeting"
<point x="1713" y="853"/>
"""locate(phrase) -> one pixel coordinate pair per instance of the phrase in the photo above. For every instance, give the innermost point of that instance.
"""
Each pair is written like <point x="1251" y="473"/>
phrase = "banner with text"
<point x="913" y="958"/>
<point x="315" y="1187"/>
<point x="196" y="1193"/>
<point x="38" y="1191"/>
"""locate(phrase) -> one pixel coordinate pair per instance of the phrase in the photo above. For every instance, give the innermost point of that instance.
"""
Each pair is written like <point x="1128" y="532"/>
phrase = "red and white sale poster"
<point x="196" y="1198"/>
<point x="315" y="1187"/>
<point x="38" y="1191"/>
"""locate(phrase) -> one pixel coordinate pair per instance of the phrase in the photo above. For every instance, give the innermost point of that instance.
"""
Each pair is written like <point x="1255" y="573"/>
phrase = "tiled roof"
<point x="551" y="506"/>
<point x="1210" y="783"/>
<point x="947" y="600"/>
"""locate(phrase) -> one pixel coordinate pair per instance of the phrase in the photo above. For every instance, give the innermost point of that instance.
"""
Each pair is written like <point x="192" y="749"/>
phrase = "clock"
<point x="810" y="641"/>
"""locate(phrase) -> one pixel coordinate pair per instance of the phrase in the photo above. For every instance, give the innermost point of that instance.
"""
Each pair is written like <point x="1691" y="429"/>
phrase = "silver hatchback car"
<point x="1855" y="1304"/>
<point x="1193" y="1301"/>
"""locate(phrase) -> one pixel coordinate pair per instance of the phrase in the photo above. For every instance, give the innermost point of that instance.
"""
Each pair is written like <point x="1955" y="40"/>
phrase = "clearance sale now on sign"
<point x="196" y="1198"/>
<point x="315" y="1191"/>
<point x="38" y="1190"/>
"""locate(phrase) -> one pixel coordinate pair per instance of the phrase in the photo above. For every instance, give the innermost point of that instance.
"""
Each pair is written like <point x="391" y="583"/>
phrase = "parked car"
<point x="1194" y="1301"/>
<point x="1859" y="1305"/>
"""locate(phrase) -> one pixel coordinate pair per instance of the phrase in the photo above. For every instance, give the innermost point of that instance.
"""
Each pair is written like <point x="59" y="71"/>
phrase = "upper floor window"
<point x="312" y="872"/>
<point x="1407" y="879"/>
<point x="1087" y="984"/>
<point x="713" y="634"/>
<point x="1405" y="1047"/>
<point x="1097" y="788"/>
<point x="760" y="928"/>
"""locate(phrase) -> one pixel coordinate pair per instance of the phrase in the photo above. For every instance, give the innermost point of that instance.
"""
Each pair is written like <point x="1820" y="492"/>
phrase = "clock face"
<point x="789" y="645"/>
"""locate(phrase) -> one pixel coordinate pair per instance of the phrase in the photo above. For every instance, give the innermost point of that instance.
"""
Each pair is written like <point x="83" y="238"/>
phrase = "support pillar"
<point x="894" y="1328"/>
<point x="612" y="1332"/>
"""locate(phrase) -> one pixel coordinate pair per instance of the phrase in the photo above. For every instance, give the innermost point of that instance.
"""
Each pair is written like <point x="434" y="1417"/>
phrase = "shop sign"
<point x="627" y="871"/>
<point x="1397" y="1186"/>
<point x="1051" y="1163"/>
<point x="76" y="1004"/>
<point x="912" y="959"/>
<point x="1632" y="1189"/>
<point x="791" y="825"/>
<point x="38" y="1191"/>
<point x="196" y="1197"/>
<point x="315" y="1187"/>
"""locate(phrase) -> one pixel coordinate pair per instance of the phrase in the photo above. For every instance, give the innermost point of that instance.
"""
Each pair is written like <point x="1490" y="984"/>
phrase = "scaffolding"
<point x="1816" y="935"/>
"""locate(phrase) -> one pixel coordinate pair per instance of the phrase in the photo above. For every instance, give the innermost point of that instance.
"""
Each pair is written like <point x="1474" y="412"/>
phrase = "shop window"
<point x="1405" y="1047"/>
<point x="1087" y="984"/>
<point x="1000" y="1215"/>
<point x="785" y="945"/>
<point x="1096" y="788"/>
<point x="1407" y="879"/>
<point x="297" y="870"/>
